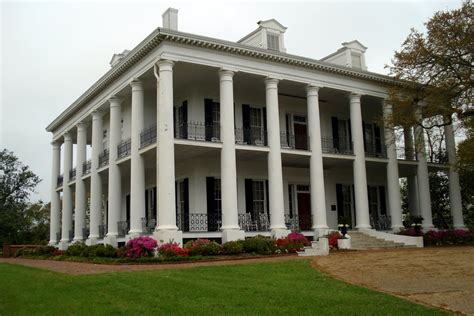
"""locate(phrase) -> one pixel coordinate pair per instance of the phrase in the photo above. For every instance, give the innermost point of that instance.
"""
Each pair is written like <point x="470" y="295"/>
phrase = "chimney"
<point x="170" y="19"/>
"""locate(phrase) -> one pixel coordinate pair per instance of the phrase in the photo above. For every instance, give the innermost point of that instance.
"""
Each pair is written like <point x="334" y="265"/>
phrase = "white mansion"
<point x="188" y="136"/>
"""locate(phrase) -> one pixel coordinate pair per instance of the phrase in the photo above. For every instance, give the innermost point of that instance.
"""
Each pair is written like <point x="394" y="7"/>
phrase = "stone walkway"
<point x="442" y="277"/>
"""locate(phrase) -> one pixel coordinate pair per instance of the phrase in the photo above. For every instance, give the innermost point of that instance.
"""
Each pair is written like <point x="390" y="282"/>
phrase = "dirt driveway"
<point x="441" y="277"/>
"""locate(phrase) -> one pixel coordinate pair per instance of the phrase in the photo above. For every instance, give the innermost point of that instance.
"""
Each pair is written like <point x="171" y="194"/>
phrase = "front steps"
<point x="361" y="241"/>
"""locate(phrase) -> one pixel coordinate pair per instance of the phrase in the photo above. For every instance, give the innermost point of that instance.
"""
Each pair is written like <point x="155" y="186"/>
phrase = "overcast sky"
<point x="51" y="52"/>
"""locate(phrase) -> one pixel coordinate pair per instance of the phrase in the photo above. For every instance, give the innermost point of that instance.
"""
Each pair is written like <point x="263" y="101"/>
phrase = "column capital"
<point x="115" y="101"/>
<point x="312" y="90"/>
<point x="97" y="115"/>
<point x="271" y="83"/>
<point x="165" y="64"/>
<point x="354" y="96"/>
<point x="56" y="145"/>
<point x="67" y="136"/>
<point x="81" y="126"/>
<point x="136" y="84"/>
<point x="225" y="74"/>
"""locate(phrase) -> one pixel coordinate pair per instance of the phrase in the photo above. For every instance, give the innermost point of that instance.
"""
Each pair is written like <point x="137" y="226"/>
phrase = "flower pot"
<point x="344" y="243"/>
<point x="343" y="231"/>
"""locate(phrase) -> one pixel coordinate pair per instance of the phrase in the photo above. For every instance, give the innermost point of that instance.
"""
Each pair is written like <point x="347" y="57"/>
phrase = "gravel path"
<point x="442" y="277"/>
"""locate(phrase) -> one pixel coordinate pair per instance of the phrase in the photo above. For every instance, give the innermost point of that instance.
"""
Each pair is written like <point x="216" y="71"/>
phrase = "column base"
<point x="53" y="243"/>
<point x="166" y="236"/>
<point x="232" y="234"/>
<point x="111" y="240"/>
<point x="91" y="241"/>
<point x="78" y="239"/>
<point x="63" y="245"/>
<point x="320" y="232"/>
<point x="280" y="233"/>
<point x="461" y="227"/>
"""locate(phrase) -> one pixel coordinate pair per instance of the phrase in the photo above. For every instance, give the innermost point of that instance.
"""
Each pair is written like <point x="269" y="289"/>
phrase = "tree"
<point x="17" y="182"/>
<point x="435" y="71"/>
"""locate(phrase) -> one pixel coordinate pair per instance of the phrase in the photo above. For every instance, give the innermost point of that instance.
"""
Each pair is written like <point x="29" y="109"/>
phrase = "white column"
<point x="275" y="173"/>
<point x="55" y="201"/>
<point x="80" y="209"/>
<point x="454" y="187"/>
<point x="423" y="178"/>
<point x="318" y="197"/>
<point x="166" y="230"/>
<point x="412" y="187"/>
<point x="115" y="177"/>
<point x="360" y="177"/>
<point x="96" y="181"/>
<point x="393" y="186"/>
<point x="230" y="221"/>
<point x="137" y="164"/>
<point x="67" y="194"/>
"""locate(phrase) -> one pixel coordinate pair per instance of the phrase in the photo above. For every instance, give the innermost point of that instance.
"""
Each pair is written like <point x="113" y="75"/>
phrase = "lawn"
<point x="289" y="287"/>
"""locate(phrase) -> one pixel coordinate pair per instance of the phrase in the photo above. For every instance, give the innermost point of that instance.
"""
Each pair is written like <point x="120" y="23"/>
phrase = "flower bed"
<point x="443" y="237"/>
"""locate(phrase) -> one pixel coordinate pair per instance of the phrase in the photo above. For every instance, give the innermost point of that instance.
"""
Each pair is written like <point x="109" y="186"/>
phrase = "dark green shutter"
<point x="208" y="122"/>
<point x="339" y="200"/>
<point x="248" y="196"/>
<point x="335" y="132"/>
<point x="186" y="204"/>
<point x="383" y="203"/>
<point x="246" y="123"/>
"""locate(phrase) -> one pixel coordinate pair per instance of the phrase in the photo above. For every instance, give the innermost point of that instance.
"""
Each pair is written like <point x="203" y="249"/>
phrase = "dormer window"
<point x="273" y="42"/>
<point x="356" y="61"/>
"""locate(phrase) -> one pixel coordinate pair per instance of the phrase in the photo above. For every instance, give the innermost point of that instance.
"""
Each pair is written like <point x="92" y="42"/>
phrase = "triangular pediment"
<point x="355" y="44"/>
<point x="272" y="24"/>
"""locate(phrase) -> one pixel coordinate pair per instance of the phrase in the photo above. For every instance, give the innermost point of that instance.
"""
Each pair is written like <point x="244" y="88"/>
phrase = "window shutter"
<point x="339" y="200"/>
<point x="265" y="138"/>
<point x="208" y="118"/>
<point x="184" y="108"/>
<point x="211" y="204"/>
<point x="363" y="134"/>
<point x="248" y="196"/>
<point x="267" y="197"/>
<point x="146" y="204"/>
<point x="154" y="204"/>
<point x="350" y="134"/>
<point x="335" y="132"/>
<point x="127" y="207"/>
<point x="383" y="203"/>
<point x="186" y="204"/>
<point x="246" y="123"/>
<point x="378" y="144"/>
<point x="174" y="123"/>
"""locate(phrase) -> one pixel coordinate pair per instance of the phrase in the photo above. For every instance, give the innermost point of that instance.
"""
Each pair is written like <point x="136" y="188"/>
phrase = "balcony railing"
<point x="254" y="221"/>
<point x="148" y="136"/>
<point x="251" y="136"/>
<point x="104" y="158"/>
<point x="124" y="148"/>
<point x="86" y="167"/>
<point x="292" y="141"/>
<point x="122" y="228"/>
<point x="102" y="231"/>
<point x="404" y="155"/>
<point x="60" y="180"/>
<point x="72" y="174"/>
<point x="198" y="131"/>
<point x="199" y="222"/>
<point x="148" y="226"/>
<point x="375" y="150"/>
<point x="341" y="145"/>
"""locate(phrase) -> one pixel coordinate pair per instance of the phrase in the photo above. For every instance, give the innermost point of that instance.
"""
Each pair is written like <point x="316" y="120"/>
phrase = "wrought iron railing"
<point x="199" y="222"/>
<point x="72" y="174"/>
<point x="104" y="158"/>
<point x="148" y="226"/>
<point x="381" y="222"/>
<point x="403" y="154"/>
<point x="251" y="136"/>
<point x="440" y="157"/>
<point x="341" y="145"/>
<point x="86" y="167"/>
<point x="292" y="222"/>
<point x="294" y="141"/>
<point x="122" y="228"/>
<point x="148" y="136"/>
<point x="254" y="221"/>
<point x="60" y="180"/>
<point x="375" y="150"/>
<point x="71" y="235"/>
<point x="124" y="148"/>
<point x="198" y="131"/>
<point x="85" y="233"/>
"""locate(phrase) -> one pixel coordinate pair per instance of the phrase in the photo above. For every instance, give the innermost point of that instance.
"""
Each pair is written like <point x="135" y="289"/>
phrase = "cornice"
<point x="159" y="35"/>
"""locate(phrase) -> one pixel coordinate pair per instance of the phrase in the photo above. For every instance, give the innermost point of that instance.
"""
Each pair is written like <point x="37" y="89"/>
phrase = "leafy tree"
<point x="17" y="182"/>
<point x="436" y="70"/>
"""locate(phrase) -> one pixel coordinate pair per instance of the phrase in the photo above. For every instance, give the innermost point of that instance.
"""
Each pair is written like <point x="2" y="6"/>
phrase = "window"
<point x="373" y="201"/>
<point x="344" y="140"/>
<point x="356" y="61"/>
<point x="273" y="42"/>
<point x="105" y="143"/>
<point x="181" y="197"/>
<point x="258" y="188"/>
<point x="216" y="119"/>
<point x="256" y="125"/>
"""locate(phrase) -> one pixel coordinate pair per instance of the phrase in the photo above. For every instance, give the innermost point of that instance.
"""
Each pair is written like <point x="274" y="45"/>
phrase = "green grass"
<point x="290" y="287"/>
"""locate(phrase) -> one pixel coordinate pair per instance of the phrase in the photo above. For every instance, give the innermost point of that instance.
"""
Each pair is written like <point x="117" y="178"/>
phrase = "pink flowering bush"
<point x="203" y="247"/>
<point x="292" y="243"/>
<point x="448" y="237"/>
<point x="142" y="246"/>
<point x="172" y="249"/>
<point x="332" y="239"/>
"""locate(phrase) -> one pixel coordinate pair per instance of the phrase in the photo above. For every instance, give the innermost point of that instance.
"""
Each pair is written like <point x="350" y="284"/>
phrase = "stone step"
<point x="361" y="241"/>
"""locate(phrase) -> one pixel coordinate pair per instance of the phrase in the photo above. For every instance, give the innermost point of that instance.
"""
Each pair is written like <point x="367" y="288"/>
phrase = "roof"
<point x="159" y="35"/>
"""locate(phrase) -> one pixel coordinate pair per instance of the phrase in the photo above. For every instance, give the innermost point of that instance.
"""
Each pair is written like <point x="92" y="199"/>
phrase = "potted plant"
<point x="416" y="221"/>
<point x="343" y="225"/>
<point x="344" y="242"/>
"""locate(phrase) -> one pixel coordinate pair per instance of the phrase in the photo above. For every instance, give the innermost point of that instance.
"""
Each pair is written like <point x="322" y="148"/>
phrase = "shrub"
<point x="172" y="249"/>
<point x="24" y="252"/>
<point x="292" y="243"/>
<point x="332" y="239"/>
<point x="233" y="247"/>
<point x="76" y="249"/>
<point x="142" y="246"/>
<point x="45" y="250"/>
<point x="203" y="247"/>
<point x="259" y="245"/>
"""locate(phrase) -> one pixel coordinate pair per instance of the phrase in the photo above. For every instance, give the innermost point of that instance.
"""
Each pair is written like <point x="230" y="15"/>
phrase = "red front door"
<point x="304" y="210"/>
